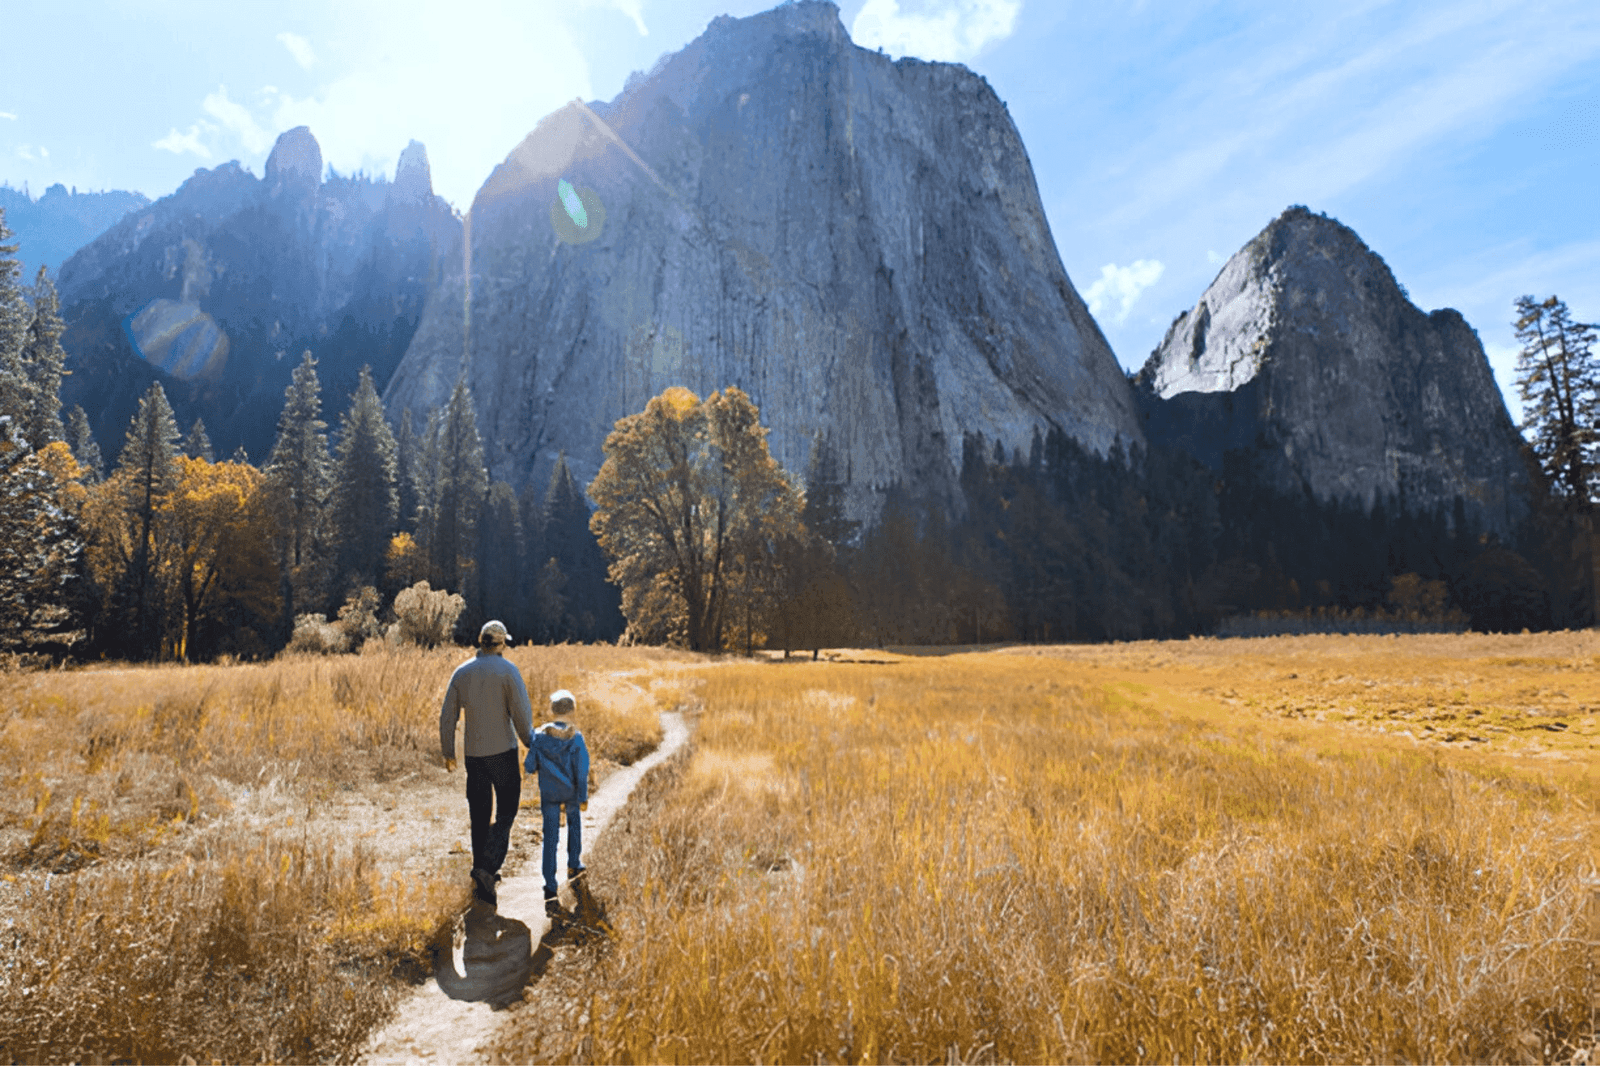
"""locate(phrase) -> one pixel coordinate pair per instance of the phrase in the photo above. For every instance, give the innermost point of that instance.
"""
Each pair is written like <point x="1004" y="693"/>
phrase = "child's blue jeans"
<point x="552" y="829"/>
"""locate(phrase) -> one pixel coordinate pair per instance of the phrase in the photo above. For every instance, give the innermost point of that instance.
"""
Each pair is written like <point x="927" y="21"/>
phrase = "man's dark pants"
<point x="492" y="780"/>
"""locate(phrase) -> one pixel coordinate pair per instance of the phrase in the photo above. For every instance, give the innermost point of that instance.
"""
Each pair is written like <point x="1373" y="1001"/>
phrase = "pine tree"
<point x="365" y="503"/>
<point x="299" y="469"/>
<point x="592" y="603"/>
<point x="452" y="490"/>
<point x="197" y="445"/>
<point x="147" y="471"/>
<point x="44" y="361"/>
<point x="408" y="454"/>
<point x="84" y="447"/>
<point x="39" y="545"/>
<point x="15" y="317"/>
<point x="500" y="554"/>
<point x="824" y="513"/>
<point x="1558" y="378"/>
<point x="240" y="456"/>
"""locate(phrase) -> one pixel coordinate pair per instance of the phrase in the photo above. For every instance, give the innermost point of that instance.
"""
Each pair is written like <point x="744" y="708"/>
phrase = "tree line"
<point x="700" y="538"/>
<point x="173" y="554"/>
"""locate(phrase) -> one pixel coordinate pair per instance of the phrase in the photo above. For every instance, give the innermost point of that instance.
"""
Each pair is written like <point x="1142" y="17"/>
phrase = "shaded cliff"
<point x="216" y="290"/>
<point x="855" y="242"/>
<point x="1307" y="360"/>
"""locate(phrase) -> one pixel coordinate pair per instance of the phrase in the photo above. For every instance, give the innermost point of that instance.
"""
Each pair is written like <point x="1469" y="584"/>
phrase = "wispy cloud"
<point x="634" y="9"/>
<point x="8" y="115"/>
<point x="234" y="116"/>
<point x="1123" y="285"/>
<point x="934" y="29"/>
<point x="300" y="48"/>
<point x="179" y="143"/>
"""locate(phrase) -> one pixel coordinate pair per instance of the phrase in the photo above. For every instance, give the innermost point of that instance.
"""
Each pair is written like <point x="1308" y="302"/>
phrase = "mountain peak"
<point x="296" y="161"/>
<point x="413" y="179"/>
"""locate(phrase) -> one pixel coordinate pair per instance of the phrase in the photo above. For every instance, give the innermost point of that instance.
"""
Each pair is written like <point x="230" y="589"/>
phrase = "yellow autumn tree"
<point x="218" y="564"/>
<point x="690" y="511"/>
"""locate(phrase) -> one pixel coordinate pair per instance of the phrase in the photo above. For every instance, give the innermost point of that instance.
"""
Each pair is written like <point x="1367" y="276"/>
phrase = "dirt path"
<point x="451" y="1016"/>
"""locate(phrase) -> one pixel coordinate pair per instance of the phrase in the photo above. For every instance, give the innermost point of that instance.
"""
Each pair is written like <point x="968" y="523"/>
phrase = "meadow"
<point x="1313" y="849"/>
<point x="244" y="862"/>
<point x="1303" y="849"/>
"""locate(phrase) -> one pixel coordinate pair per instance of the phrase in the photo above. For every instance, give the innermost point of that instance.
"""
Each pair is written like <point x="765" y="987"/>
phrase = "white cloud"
<point x="1213" y="257"/>
<point x="951" y="30"/>
<point x="300" y="48"/>
<point x="236" y="117"/>
<point x="45" y="152"/>
<point x="179" y="143"/>
<point x="24" y="152"/>
<point x="631" y="8"/>
<point x="1123" y="285"/>
<point x="9" y="115"/>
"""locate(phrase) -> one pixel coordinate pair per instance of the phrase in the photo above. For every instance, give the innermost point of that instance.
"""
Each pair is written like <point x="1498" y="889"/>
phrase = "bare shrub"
<point x="359" y="616"/>
<point x="314" y="634"/>
<point x="426" y="616"/>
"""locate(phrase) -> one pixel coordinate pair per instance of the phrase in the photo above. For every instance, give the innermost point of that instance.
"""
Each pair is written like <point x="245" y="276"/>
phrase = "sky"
<point x="1459" y="138"/>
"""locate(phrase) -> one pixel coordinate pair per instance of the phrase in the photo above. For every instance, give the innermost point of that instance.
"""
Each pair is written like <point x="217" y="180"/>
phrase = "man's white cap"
<point x="494" y="632"/>
<point x="562" y="694"/>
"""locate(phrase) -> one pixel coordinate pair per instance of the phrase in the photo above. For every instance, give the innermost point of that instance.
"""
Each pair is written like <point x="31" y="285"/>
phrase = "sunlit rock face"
<point x="218" y="288"/>
<point x="1305" y="358"/>
<point x="857" y="243"/>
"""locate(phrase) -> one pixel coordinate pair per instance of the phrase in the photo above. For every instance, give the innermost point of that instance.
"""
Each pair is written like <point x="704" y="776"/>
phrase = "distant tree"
<point x="550" y="602"/>
<point x="147" y="471"/>
<point x="365" y="500"/>
<point x="197" y="445"/>
<point x="84" y="447"/>
<point x="299" y="473"/>
<point x="824" y="514"/>
<point x="240" y="456"/>
<point x="500" y="554"/>
<point x="1558" y="378"/>
<point x="686" y="489"/>
<point x="591" y="601"/>
<point x="407" y="454"/>
<point x="451" y="489"/>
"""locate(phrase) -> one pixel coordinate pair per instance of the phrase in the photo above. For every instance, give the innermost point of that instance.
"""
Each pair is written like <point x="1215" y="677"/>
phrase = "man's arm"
<point x="449" y="714"/>
<point x="520" y="710"/>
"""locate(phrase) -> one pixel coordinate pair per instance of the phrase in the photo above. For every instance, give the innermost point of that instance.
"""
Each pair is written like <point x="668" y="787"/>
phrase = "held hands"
<point x="449" y="765"/>
<point x="583" y="806"/>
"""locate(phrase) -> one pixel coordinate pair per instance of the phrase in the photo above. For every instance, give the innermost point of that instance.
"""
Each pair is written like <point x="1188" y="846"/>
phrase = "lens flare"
<point x="576" y="213"/>
<point x="573" y="203"/>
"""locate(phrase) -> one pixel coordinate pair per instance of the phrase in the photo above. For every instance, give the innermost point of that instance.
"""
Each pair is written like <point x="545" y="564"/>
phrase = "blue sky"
<point x="1460" y="139"/>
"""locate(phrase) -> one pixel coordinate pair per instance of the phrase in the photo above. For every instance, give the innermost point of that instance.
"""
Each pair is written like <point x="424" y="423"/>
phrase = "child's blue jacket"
<point x="561" y="759"/>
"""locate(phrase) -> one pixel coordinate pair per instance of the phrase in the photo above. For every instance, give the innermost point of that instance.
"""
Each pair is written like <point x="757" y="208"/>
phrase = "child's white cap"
<point x="561" y="694"/>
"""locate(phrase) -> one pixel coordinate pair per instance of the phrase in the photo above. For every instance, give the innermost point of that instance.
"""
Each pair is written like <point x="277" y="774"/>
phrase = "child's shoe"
<point x="575" y="872"/>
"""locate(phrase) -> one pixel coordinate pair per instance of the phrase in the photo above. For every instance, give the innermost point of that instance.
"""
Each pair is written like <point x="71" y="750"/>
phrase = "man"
<point x="491" y="692"/>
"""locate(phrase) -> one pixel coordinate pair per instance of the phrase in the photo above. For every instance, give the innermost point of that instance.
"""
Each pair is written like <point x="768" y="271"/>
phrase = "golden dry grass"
<point x="1126" y="853"/>
<point x="204" y="860"/>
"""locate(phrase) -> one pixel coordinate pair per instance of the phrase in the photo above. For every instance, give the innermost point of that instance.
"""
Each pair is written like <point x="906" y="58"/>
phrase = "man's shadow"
<point x="486" y="958"/>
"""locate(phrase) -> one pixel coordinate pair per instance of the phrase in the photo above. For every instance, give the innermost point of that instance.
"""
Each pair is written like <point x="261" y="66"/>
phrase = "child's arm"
<point x="582" y="781"/>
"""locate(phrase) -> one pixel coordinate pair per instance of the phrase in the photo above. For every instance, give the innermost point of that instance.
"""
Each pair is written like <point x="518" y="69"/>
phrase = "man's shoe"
<point x="483" y="886"/>
<point x="575" y="872"/>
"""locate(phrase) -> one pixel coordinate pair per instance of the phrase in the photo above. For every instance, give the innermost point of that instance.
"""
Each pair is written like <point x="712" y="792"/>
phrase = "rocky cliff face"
<point x="855" y="242"/>
<point x="218" y="288"/>
<point x="1306" y="357"/>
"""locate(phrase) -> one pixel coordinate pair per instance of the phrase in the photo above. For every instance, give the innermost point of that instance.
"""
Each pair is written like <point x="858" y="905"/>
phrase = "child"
<point x="562" y="761"/>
